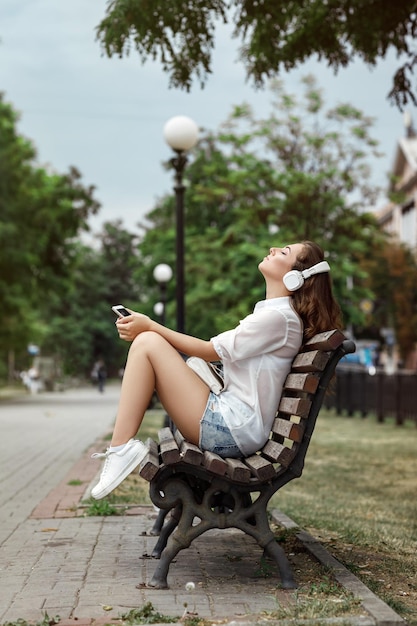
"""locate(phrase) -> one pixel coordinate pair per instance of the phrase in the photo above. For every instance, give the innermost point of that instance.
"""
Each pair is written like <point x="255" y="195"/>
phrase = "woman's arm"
<point x="136" y="323"/>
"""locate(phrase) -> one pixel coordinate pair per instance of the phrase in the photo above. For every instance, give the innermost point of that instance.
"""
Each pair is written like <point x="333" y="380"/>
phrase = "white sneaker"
<point x="117" y="466"/>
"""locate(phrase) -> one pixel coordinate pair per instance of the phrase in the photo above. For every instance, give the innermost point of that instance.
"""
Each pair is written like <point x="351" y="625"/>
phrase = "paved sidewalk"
<point x="90" y="570"/>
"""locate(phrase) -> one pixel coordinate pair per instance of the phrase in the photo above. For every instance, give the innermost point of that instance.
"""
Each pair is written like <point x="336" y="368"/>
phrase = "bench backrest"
<point x="301" y="400"/>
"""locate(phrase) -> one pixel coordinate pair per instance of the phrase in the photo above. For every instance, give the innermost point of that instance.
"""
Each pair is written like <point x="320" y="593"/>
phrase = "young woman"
<point x="256" y="358"/>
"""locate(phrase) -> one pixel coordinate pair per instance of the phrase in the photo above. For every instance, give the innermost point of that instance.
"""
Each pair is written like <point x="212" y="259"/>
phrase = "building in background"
<point x="400" y="219"/>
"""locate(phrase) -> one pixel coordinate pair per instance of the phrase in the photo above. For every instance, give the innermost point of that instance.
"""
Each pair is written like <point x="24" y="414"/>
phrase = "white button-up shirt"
<point x="257" y="357"/>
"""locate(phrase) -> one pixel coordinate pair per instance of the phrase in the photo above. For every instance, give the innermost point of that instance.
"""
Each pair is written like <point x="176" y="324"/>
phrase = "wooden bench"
<point x="203" y="491"/>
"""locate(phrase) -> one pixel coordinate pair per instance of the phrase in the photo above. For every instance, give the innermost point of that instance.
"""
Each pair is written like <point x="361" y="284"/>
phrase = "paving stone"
<point x="91" y="570"/>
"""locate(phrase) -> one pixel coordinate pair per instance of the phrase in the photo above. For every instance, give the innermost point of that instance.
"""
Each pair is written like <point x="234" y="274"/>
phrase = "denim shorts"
<point x="215" y="435"/>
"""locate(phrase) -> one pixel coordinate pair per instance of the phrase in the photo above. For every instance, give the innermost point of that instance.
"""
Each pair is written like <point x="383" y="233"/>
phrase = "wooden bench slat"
<point x="307" y="382"/>
<point x="238" y="471"/>
<point x="295" y="406"/>
<point x="329" y="340"/>
<point x="190" y="453"/>
<point x="278" y="453"/>
<point x="150" y="464"/>
<point x="260" y="467"/>
<point x="168" y="446"/>
<point x="214" y="463"/>
<point x="288" y="429"/>
<point x="314" y="361"/>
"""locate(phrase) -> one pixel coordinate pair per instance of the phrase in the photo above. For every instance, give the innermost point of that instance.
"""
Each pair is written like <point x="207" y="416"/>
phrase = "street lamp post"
<point x="181" y="133"/>
<point x="162" y="274"/>
<point x="158" y="309"/>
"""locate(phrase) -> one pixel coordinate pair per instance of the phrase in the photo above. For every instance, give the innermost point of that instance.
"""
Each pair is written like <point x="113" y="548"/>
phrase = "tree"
<point x="41" y="214"/>
<point x="275" y="35"/>
<point x="81" y="328"/>
<point x="392" y="272"/>
<point x="299" y="174"/>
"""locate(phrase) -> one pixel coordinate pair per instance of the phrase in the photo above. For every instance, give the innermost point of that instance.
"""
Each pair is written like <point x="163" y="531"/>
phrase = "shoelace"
<point x="100" y="455"/>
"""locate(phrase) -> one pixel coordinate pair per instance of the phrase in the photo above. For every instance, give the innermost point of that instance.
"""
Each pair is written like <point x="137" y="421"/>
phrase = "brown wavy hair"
<point x="314" y="301"/>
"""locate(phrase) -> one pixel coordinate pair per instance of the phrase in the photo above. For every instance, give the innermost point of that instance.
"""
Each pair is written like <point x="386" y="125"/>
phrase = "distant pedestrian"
<point x="99" y="374"/>
<point x="31" y="380"/>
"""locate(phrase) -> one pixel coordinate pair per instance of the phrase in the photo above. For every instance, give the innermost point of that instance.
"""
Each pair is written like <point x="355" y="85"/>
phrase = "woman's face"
<point x="280" y="261"/>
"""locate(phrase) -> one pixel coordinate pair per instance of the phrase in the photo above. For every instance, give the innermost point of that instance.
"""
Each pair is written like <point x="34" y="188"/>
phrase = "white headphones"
<point x="294" y="280"/>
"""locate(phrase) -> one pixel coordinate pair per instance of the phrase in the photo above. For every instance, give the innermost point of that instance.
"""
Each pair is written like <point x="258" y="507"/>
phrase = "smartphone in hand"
<point x="120" y="310"/>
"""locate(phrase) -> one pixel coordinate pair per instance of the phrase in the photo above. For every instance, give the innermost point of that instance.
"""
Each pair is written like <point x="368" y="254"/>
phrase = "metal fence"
<point x="385" y="395"/>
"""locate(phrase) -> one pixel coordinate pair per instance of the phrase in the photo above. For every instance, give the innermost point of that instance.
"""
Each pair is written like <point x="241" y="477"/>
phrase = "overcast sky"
<point x="105" y="116"/>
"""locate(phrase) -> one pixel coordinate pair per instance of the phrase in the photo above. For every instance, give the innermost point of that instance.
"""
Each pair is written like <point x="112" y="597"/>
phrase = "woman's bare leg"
<point x="154" y="364"/>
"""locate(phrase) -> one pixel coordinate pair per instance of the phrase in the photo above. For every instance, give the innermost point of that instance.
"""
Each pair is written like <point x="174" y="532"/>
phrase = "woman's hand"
<point x="131" y="326"/>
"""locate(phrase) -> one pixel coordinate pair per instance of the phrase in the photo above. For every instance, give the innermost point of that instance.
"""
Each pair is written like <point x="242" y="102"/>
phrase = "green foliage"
<point x="101" y="276"/>
<point x="41" y="213"/>
<point x="195" y="620"/>
<point x="102" y="507"/>
<point x="274" y="35"/>
<point x="392" y="272"/>
<point x="301" y="173"/>
<point x="57" y="292"/>
<point x="45" y="621"/>
<point x="265" y="569"/>
<point x="321" y="603"/>
<point x="147" y="615"/>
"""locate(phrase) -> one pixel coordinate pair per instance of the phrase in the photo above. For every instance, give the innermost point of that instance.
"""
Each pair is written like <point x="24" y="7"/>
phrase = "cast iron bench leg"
<point x="159" y="579"/>
<point x="166" y="531"/>
<point x="159" y="522"/>
<point x="277" y="553"/>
